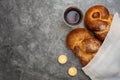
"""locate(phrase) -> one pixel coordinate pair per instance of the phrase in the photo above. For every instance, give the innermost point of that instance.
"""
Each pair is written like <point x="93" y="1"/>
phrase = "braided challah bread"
<point x="81" y="42"/>
<point x="98" y="20"/>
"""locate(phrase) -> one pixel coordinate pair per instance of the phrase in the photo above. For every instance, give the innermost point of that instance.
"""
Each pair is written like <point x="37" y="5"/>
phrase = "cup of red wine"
<point x="73" y="16"/>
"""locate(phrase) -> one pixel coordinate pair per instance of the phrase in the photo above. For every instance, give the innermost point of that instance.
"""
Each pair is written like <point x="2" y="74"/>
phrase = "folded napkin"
<point x="106" y="63"/>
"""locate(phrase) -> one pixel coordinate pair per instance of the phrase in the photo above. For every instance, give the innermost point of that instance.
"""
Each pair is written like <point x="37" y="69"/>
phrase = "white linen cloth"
<point x="106" y="63"/>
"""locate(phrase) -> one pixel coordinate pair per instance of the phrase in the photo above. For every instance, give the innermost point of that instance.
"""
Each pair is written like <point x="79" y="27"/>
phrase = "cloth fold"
<point x="106" y="63"/>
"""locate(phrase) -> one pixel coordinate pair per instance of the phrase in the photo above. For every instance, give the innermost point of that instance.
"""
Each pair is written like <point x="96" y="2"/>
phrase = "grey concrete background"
<point x="32" y="36"/>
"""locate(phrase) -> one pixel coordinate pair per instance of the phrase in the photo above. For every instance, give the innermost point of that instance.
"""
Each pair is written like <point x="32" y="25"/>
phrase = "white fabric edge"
<point x="87" y="69"/>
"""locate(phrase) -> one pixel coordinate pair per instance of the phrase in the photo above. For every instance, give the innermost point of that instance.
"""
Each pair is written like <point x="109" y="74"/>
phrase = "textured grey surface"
<point x="32" y="36"/>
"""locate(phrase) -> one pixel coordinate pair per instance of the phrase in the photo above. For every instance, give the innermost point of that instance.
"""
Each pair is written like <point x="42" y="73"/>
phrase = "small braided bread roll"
<point x="98" y="19"/>
<point x="81" y="42"/>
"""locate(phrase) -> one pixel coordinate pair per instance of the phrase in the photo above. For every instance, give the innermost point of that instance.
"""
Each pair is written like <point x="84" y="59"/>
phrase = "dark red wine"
<point x="73" y="16"/>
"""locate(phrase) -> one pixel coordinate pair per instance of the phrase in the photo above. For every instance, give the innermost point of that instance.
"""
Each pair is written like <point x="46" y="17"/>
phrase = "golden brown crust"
<point x="97" y="18"/>
<point x="76" y="36"/>
<point x="86" y="58"/>
<point x="82" y="44"/>
<point x="90" y="45"/>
